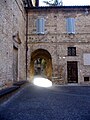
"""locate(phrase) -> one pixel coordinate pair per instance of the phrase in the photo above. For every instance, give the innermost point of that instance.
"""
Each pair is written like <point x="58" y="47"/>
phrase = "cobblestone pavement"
<point x="55" y="103"/>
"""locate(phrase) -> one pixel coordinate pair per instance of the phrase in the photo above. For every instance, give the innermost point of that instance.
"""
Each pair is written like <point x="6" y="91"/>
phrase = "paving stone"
<point x="55" y="103"/>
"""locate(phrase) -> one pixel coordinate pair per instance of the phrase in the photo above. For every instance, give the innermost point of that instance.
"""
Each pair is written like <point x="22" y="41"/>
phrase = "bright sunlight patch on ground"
<point x="42" y="82"/>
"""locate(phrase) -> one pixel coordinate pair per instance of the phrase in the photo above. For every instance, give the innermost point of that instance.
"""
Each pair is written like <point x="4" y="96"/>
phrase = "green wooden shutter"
<point x="40" y="26"/>
<point x="70" y="25"/>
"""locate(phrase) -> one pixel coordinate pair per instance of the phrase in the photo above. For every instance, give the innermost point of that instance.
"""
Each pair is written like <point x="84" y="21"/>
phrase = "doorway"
<point x="15" y="64"/>
<point x="72" y="72"/>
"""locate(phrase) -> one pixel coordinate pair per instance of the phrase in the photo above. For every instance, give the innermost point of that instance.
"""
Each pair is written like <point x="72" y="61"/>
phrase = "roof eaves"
<point x="58" y="7"/>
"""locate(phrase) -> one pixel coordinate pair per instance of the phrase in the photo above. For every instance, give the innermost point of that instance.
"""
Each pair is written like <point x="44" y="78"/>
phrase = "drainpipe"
<point x="26" y="39"/>
<point x="37" y="3"/>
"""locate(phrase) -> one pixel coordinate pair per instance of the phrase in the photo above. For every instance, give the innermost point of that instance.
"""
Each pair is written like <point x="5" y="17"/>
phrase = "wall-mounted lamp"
<point x="63" y="57"/>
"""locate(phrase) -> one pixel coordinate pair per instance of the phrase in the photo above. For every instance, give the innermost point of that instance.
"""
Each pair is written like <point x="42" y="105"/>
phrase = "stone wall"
<point x="56" y="40"/>
<point x="12" y="31"/>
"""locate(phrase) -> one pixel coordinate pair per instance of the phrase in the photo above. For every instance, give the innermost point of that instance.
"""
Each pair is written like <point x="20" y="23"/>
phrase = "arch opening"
<point x="41" y="64"/>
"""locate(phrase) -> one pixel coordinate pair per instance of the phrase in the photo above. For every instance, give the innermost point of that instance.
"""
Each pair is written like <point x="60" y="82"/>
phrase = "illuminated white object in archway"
<point x="43" y="82"/>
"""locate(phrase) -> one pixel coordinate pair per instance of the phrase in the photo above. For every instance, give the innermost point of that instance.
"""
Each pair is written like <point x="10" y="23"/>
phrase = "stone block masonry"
<point x="63" y="65"/>
<point x="12" y="22"/>
<point x="56" y="41"/>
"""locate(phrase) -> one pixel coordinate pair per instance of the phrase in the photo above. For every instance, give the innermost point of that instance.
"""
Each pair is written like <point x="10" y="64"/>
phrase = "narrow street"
<point x="55" y="103"/>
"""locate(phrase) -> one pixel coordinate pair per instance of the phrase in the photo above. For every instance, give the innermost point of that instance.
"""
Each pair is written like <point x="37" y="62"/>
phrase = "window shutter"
<point x="40" y="26"/>
<point x="71" y="25"/>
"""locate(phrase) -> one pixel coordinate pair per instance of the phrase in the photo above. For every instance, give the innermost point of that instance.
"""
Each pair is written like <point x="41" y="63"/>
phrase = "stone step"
<point x="8" y="90"/>
<point x="19" y="83"/>
<point x="12" y="88"/>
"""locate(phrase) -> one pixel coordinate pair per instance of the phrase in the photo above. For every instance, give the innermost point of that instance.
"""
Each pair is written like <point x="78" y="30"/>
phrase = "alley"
<point x="55" y="103"/>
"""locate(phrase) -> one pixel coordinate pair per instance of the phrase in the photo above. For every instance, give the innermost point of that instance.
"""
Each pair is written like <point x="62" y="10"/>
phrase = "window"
<point x="86" y="58"/>
<point x="71" y="51"/>
<point x="70" y="25"/>
<point x="40" y="26"/>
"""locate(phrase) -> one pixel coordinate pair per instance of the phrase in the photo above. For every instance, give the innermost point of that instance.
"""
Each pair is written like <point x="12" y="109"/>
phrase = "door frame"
<point x="73" y="66"/>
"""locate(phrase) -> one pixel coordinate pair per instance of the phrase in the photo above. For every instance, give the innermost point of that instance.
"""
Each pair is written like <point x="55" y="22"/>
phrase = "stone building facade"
<point x="53" y="51"/>
<point x="12" y="41"/>
<point x="67" y="54"/>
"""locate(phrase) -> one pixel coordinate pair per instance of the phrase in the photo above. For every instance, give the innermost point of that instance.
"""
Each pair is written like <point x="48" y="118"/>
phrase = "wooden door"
<point x="72" y="72"/>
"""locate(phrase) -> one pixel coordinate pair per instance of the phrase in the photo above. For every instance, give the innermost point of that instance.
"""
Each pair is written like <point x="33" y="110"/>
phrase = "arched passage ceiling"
<point x="40" y="53"/>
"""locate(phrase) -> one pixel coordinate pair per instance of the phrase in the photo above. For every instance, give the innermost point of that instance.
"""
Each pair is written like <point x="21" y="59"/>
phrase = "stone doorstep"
<point x="85" y="83"/>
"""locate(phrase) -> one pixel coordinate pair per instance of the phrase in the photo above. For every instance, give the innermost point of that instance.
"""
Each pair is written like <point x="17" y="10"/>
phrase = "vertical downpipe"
<point x="26" y="39"/>
<point x="37" y="3"/>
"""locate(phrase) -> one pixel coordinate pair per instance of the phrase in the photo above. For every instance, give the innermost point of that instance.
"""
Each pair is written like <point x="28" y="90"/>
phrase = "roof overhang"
<point x="69" y="8"/>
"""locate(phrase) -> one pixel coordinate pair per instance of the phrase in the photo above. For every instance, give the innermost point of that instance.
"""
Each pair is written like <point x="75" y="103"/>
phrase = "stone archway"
<point x="41" y="54"/>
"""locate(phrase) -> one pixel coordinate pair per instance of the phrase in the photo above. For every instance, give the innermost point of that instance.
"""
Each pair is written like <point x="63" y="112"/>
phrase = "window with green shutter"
<point x="70" y="25"/>
<point x="40" y="26"/>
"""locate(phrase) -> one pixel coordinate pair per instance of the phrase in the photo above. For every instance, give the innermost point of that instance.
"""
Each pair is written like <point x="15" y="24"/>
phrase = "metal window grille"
<point x="71" y="51"/>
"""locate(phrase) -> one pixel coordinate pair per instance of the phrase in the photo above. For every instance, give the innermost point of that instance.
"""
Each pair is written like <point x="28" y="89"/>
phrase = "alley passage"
<point x="55" y="103"/>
